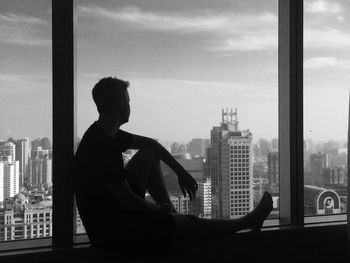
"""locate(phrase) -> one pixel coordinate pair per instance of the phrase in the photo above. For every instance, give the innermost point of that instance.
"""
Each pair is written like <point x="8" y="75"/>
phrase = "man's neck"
<point x="109" y="125"/>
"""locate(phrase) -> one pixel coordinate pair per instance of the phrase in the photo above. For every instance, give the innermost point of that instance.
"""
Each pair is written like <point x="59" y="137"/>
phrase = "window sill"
<point x="82" y="240"/>
<point x="284" y="239"/>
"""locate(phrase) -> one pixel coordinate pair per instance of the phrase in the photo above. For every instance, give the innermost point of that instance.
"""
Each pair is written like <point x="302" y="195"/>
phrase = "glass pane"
<point x="326" y="92"/>
<point x="186" y="61"/>
<point x="26" y="122"/>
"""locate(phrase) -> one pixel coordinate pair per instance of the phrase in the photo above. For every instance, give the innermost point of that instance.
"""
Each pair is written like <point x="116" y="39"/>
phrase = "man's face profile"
<point x="125" y="107"/>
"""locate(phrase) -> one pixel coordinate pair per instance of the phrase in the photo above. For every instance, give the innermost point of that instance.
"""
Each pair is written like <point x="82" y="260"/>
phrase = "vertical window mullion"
<point x="63" y="121"/>
<point x="290" y="82"/>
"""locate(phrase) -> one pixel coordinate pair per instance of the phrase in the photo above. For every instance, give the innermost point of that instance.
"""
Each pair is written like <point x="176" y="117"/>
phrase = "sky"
<point x="185" y="61"/>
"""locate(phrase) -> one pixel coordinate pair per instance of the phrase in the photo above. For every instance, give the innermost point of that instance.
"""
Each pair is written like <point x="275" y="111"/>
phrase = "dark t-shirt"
<point x="98" y="161"/>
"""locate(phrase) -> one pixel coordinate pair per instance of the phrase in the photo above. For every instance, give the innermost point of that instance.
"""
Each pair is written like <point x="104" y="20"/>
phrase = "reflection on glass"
<point x="25" y="130"/>
<point x="326" y="60"/>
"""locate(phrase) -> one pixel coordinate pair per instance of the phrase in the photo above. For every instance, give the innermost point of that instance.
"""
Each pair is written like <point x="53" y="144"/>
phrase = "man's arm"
<point x="186" y="181"/>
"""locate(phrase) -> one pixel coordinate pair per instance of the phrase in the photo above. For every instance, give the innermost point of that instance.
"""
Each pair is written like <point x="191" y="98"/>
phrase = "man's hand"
<point x="187" y="184"/>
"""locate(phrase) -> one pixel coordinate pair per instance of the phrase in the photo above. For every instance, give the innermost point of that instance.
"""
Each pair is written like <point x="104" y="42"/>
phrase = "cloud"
<point x="24" y="30"/>
<point x="324" y="62"/>
<point x="326" y="38"/>
<point x="25" y="83"/>
<point x="221" y="32"/>
<point x="323" y="6"/>
<point x="22" y="19"/>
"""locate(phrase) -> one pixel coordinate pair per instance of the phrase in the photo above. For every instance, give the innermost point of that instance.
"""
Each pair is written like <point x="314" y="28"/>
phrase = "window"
<point x="26" y="119"/>
<point x="326" y="93"/>
<point x="184" y="67"/>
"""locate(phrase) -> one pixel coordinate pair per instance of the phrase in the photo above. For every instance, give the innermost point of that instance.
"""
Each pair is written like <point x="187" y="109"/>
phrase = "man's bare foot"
<point x="257" y="217"/>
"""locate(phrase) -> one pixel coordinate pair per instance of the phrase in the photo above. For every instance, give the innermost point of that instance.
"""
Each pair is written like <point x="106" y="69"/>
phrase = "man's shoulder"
<point x="91" y="140"/>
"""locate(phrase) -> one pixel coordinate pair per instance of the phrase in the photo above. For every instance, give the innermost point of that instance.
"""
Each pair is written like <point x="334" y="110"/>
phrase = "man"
<point x="111" y="197"/>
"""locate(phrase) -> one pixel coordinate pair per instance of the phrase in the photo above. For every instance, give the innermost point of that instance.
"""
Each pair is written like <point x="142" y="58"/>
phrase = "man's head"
<point x="111" y="97"/>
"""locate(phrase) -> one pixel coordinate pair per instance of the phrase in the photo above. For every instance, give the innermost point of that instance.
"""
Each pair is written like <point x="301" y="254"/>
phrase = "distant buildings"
<point x="273" y="171"/>
<point x="181" y="204"/>
<point x="230" y="168"/>
<point x="192" y="165"/>
<point x="318" y="162"/>
<point x="22" y="219"/>
<point x="40" y="172"/>
<point x="9" y="171"/>
<point x="197" y="147"/>
<point x="177" y="148"/>
<point x="334" y="176"/>
<point x="23" y="156"/>
<point x="274" y="145"/>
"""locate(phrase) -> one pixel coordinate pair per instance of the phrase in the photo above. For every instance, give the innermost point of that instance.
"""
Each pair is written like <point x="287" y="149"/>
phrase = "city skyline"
<point x="184" y="61"/>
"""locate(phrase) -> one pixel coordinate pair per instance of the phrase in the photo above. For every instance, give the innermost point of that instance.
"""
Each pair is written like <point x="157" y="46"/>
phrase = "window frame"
<point x="290" y="111"/>
<point x="64" y="115"/>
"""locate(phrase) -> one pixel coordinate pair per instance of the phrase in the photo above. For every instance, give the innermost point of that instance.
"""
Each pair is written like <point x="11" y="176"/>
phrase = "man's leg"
<point x="192" y="225"/>
<point x="145" y="171"/>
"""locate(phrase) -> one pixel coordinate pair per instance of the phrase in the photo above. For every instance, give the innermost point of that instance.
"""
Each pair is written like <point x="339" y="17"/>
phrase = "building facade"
<point x="181" y="204"/>
<point x="204" y="196"/>
<point x="9" y="177"/>
<point x="273" y="171"/>
<point x="20" y="219"/>
<point x="230" y="168"/>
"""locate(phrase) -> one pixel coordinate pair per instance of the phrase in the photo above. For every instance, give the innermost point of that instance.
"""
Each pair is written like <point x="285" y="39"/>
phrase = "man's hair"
<point x="107" y="90"/>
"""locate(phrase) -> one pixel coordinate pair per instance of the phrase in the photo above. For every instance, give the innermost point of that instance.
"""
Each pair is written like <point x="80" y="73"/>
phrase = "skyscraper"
<point x="8" y="149"/>
<point x="2" y="173"/>
<point x="273" y="171"/>
<point x="10" y="177"/>
<point x="40" y="172"/>
<point x="230" y="168"/>
<point x="204" y="196"/>
<point x="22" y="156"/>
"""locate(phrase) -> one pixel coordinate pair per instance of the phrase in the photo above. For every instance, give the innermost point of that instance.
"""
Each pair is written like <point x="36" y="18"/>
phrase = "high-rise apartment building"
<point x="204" y="197"/>
<point x="8" y="149"/>
<point x="273" y="171"/>
<point x="230" y="168"/>
<point x="2" y="174"/>
<point x="22" y="156"/>
<point x="40" y="172"/>
<point x="9" y="176"/>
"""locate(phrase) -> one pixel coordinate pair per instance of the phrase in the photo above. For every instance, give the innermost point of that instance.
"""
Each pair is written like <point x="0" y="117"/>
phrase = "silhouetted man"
<point x="111" y="197"/>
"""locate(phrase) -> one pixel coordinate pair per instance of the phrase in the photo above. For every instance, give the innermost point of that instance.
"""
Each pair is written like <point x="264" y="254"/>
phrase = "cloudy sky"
<point x="185" y="60"/>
